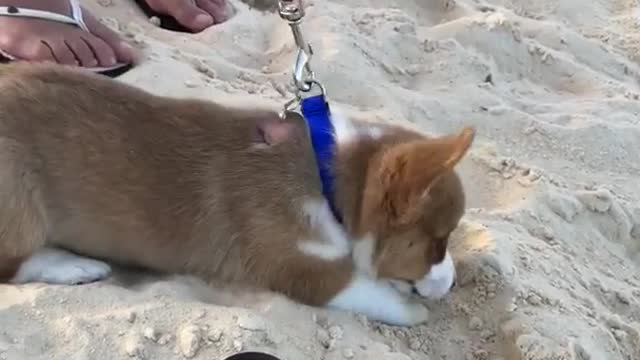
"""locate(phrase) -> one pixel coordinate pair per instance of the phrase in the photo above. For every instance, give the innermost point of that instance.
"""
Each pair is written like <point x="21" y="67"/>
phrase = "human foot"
<point x="85" y="42"/>
<point x="195" y="15"/>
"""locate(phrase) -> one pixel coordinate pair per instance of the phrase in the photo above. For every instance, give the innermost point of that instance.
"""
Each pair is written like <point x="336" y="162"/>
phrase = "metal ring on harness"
<point x="293" y="103"/>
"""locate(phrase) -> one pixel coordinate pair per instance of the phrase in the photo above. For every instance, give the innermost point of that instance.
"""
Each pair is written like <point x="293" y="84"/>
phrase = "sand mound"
<point x="548" y="253"/>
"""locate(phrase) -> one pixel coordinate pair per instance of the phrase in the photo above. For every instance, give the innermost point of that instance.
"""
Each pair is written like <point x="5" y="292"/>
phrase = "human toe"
<point x="62" y="51"/>
<point x="216" y="8"/>
<point x="108" y="47"/>
<point x="83" y="53"/>
<point x="190" y="15"/>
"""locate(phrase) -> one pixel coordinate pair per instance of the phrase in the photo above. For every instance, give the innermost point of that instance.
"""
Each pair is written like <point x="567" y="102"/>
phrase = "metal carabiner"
<point x="293" y="11"/>
<point x="302" y="73"/>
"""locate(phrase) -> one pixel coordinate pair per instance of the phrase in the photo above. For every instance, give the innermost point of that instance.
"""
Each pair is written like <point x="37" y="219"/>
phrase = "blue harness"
<point x="317" y="114"/>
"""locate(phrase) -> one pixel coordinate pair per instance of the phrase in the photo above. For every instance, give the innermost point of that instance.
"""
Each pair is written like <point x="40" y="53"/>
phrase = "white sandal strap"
<point x="75" y="18"/>
<point x="76" y="13"/>
<point x="6" y="55"/>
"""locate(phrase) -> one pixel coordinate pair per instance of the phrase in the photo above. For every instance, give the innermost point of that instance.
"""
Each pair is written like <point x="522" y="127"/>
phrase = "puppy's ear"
<point x="459" y="144"/>
<point x="408" y="171"/>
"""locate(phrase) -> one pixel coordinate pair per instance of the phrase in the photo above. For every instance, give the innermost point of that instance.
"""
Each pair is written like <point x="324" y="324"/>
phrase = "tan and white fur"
<point x="95" y="171"/>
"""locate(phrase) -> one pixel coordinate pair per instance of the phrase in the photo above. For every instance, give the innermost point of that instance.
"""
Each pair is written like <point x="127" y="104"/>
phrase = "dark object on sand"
<point x="252" y="356"/>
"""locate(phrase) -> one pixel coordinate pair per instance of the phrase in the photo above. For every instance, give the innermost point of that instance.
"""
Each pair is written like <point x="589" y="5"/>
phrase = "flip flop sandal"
<point x="75" y="19"/>
<point x="166" y="22"/>
<point x="252" y="356"/>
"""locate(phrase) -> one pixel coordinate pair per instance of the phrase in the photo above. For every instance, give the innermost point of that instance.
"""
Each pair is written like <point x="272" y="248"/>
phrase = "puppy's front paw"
<point x="406" y="313"/>
<point x="418" y="313"/>
<point x="403" y="287"/>
<point x="378" y="300"/>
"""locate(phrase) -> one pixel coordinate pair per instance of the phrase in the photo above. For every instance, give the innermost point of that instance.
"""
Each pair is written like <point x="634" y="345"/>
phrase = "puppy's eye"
<point x="410" y="244"/>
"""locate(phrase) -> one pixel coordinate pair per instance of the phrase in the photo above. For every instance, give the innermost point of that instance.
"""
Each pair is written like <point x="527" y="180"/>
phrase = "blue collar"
<point x="315" y="110"/>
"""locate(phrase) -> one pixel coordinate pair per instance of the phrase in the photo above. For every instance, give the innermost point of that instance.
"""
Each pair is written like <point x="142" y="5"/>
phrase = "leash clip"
<point x="313" y="107"/>
<point x="293" y="12"/>
<point x="303" y="77"/>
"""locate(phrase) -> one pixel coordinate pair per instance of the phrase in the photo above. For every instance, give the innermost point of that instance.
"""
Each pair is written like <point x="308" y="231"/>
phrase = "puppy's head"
<point x="412" y="202"/>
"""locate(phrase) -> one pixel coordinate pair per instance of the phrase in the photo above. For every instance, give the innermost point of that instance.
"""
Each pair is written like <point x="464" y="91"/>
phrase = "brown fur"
<point x="412" y="199"/>
<point x="8" y="267"/>
<point x="187" y="186"/>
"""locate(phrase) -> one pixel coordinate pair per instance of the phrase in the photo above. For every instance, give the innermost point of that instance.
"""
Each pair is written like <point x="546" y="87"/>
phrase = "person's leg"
<point x="35" y="39"/>
<point x="195" y="15"/>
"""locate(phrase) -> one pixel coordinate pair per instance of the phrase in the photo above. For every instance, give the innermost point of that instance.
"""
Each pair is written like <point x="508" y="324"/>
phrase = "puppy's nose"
<point x="453" y="284"/>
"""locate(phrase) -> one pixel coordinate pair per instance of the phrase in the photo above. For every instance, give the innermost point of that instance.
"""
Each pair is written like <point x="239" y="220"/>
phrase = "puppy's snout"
<point x="453" y="284"/>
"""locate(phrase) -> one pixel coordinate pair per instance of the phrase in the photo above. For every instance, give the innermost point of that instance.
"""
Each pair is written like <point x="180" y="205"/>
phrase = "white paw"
<point x="56" y="266"/>
<point x="378" y="300"/>
<point x="418" y="313"/>
<point x="76" y="272"/>
<point x="404" y="287"/>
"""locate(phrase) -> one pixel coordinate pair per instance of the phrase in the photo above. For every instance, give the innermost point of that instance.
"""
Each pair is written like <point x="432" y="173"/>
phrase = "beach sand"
<point x="548" y="253"/>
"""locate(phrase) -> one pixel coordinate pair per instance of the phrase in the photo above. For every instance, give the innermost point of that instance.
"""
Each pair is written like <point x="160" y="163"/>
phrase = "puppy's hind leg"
<point x="22" y="221"/>
<point x="58" y="266"/>
<point x="23" y="228"/>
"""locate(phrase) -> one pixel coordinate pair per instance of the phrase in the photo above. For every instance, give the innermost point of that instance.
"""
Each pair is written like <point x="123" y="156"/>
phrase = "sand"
<point x="548" y="253"/>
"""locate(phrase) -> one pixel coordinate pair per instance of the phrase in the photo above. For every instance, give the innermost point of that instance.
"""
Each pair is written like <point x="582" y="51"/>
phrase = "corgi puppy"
<point x="94" y="171"/>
